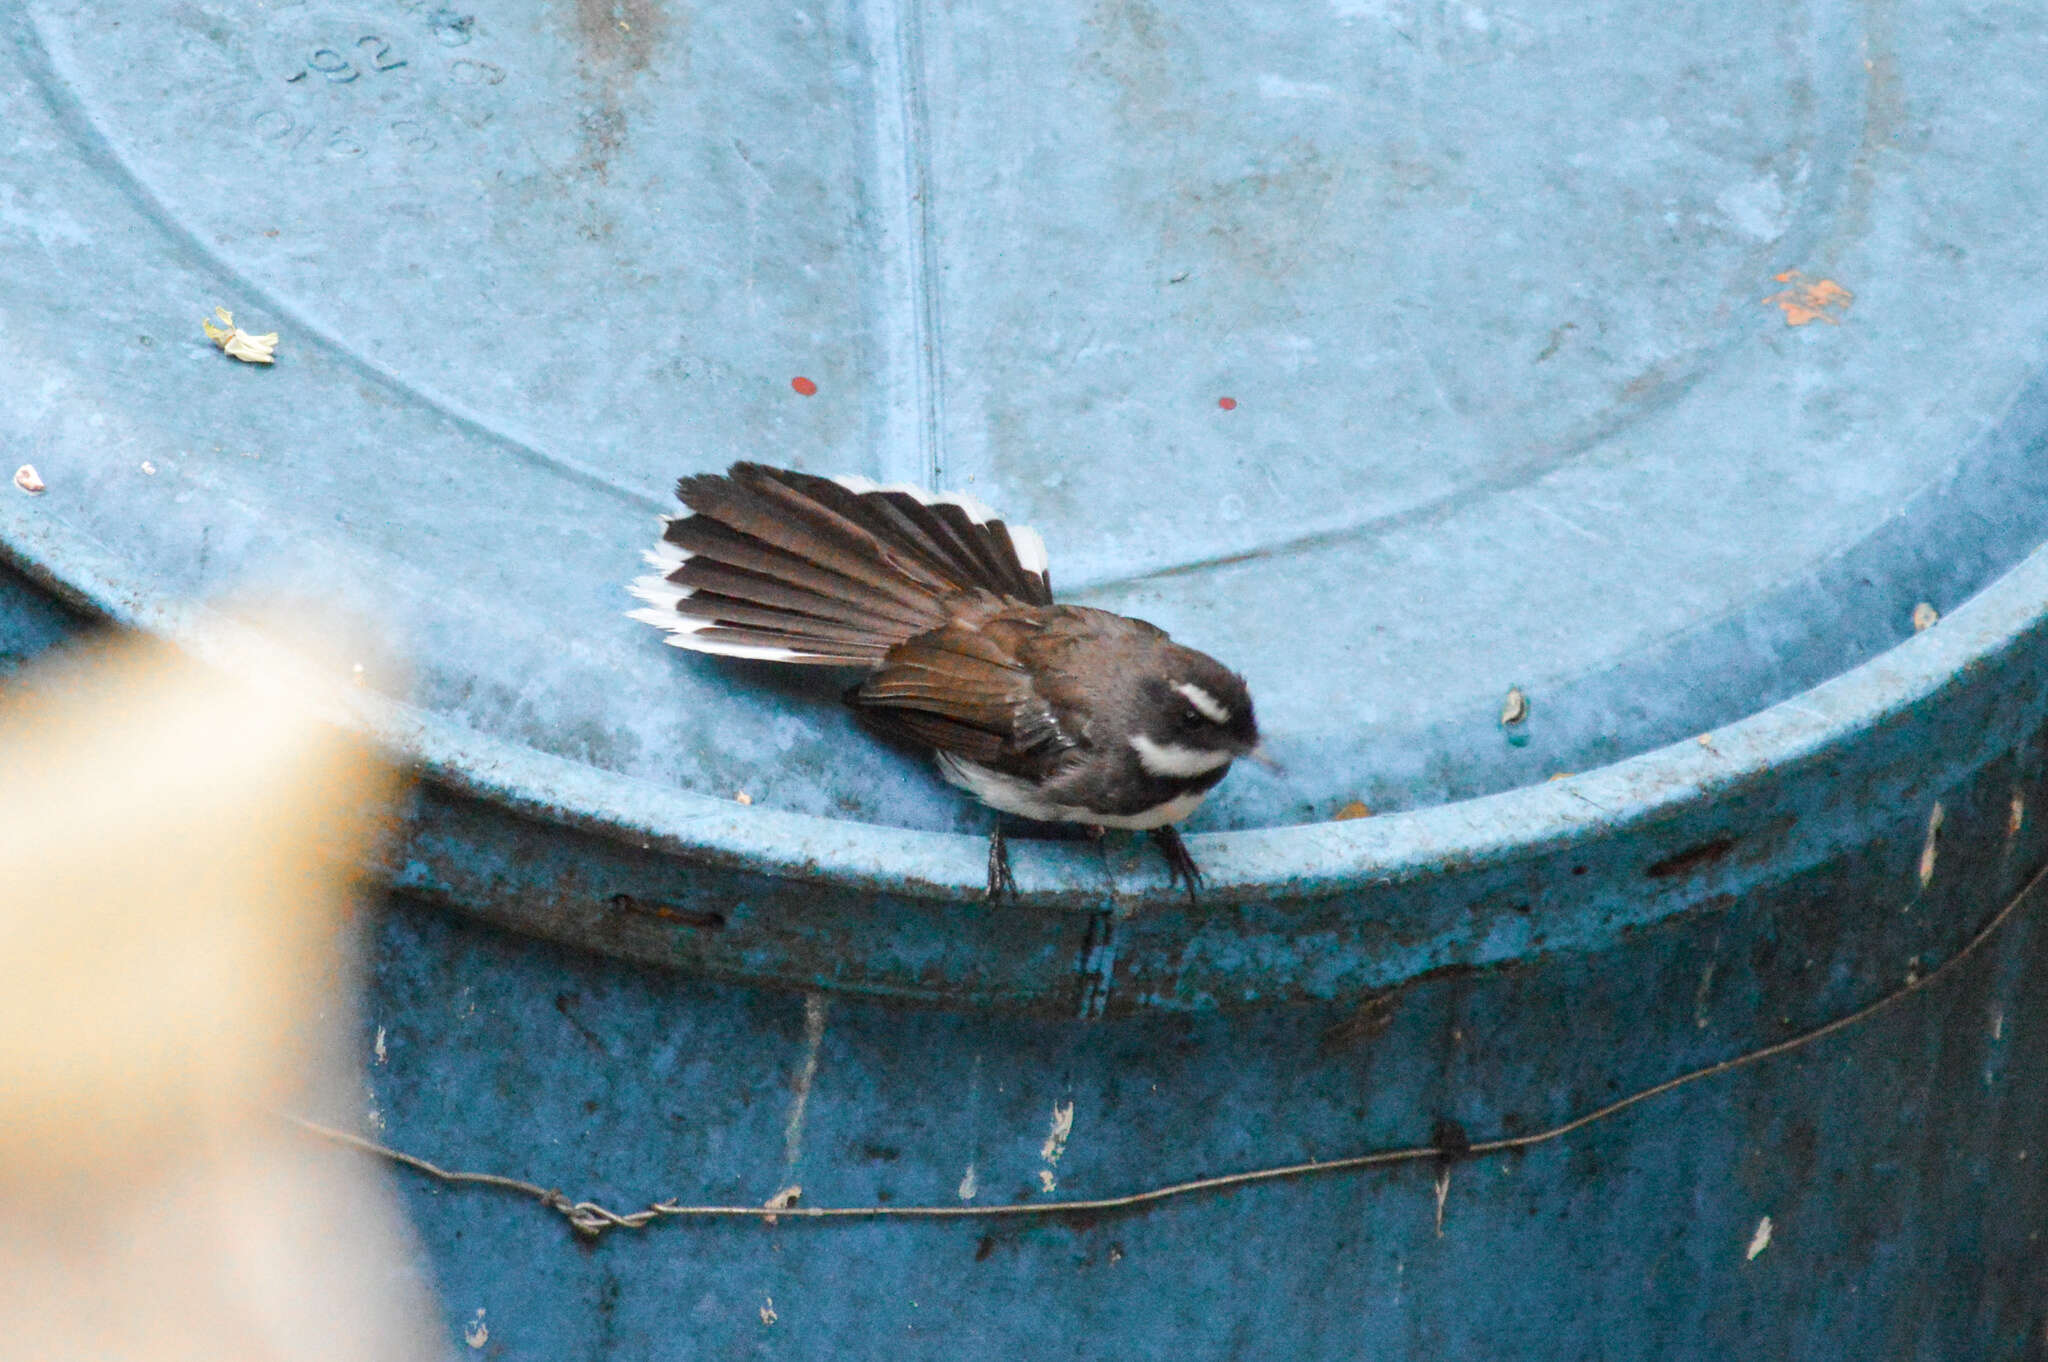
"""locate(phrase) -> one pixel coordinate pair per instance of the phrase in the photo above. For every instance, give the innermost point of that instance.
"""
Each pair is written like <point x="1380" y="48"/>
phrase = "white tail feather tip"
<point x="658" y="591"/>
<point x="1030" y="549"/>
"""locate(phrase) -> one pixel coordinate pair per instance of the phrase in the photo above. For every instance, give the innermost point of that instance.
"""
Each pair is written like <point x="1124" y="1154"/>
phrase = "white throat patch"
<point x="1210" y="708"/>
<point x="1171" y="759"/>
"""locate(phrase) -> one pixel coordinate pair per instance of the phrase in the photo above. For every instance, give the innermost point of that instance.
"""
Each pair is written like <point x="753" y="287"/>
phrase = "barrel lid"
<point x="1504" y="392"/>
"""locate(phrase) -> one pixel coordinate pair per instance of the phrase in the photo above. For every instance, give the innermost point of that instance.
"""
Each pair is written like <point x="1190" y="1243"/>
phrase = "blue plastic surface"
<point x="1519" y="401"/>
<point x="1899" y="1160"/>
<point x="1504" y="302"/>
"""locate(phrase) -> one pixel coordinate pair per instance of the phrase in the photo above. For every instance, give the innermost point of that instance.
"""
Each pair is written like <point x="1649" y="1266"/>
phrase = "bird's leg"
<point x="1180" y="866"/>
<point x="1000" y="880"/>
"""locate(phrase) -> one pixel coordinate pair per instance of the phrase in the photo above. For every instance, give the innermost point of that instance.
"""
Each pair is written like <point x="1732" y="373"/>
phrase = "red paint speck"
<point x="1227" y="403"/>
<point x="803" y="385"/>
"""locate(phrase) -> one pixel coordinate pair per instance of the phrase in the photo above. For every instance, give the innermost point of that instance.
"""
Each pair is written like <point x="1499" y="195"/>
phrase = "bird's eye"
<point x="1189" y="719"/>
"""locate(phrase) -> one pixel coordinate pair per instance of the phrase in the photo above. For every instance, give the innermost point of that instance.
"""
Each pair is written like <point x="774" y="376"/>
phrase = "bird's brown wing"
<point x="963" y="689"/>
<point x="787" y="567"/>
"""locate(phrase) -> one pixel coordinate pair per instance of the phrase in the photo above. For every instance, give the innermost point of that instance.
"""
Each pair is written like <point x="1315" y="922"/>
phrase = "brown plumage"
<point x="1053" y="712"/>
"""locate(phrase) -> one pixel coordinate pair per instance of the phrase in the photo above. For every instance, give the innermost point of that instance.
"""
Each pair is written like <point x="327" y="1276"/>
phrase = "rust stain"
<point x="1692" y="859"/>
<point x="1810" y="300"/>
<point x="620" y="34"/>
<point x="617" y="42"/>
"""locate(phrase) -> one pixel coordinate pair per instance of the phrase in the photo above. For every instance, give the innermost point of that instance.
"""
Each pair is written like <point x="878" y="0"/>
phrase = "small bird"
<point x="1053" y="713"/>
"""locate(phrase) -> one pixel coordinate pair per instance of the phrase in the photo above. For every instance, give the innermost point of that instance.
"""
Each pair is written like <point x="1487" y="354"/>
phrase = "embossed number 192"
<point x="339" y="70"/>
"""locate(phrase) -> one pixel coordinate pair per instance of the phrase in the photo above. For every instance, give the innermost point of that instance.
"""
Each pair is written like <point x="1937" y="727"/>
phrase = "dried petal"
<point x="1515" y="708"/>
<point x="1924" y="616"/>
<point x="28" y="480"/>
<point x="237" y="343"/>
<point x="1354" y="809"/>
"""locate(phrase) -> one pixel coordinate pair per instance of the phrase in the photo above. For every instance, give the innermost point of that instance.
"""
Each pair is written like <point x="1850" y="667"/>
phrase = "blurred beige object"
<point x="177" y="855"/>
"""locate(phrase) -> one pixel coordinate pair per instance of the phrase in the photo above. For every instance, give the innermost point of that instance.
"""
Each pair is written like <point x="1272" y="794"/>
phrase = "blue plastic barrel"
<point x="1608" y="437"/>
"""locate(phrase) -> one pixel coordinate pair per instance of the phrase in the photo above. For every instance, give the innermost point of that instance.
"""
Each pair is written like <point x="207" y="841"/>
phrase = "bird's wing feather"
<point x="793" y="567"/>
<point x="962" y="689"/>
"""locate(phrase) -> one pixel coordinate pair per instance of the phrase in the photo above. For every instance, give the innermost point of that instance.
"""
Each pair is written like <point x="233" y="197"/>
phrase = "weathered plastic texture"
<point x="1656" y="362"/>
<point x="1898" y="1161"/>
<point x="1521" y="404"/>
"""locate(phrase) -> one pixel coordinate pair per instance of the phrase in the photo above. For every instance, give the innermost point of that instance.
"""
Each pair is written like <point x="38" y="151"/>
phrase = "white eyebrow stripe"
<point x="1171" y="759"/>
<point x="1214" y="710"/>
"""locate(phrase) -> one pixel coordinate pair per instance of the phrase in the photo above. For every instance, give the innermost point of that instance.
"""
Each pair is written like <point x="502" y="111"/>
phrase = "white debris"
<point x="1929" y="848"/>
<point x="237" y="343"/>
<point x="1056" y="1138"/>
<point x="1761" y="1240"/>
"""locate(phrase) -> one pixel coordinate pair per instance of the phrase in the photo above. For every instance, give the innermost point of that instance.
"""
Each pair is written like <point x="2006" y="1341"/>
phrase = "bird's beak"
<point x="1264" y="758"/>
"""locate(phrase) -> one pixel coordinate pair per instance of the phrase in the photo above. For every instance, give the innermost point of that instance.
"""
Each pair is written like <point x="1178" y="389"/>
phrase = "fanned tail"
<point x="787" y="567"/>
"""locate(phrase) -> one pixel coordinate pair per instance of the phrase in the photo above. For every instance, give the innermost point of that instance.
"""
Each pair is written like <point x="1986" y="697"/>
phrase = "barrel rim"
<point x="1292" y="861"/>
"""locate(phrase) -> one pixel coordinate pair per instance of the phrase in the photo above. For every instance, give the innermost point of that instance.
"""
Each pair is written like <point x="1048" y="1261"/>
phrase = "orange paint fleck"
<point x="804" y="386"/>
<point x="1227" y="403"/>
<point x="1809" y="300"/>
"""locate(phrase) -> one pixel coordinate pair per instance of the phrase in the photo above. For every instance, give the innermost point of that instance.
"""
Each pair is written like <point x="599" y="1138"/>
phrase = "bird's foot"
<point x="1001" y="883"/>
<point x="1180" y="866"/>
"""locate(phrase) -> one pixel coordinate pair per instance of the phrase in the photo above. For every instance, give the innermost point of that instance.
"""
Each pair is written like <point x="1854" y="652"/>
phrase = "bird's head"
<point x="1196" y="717"/>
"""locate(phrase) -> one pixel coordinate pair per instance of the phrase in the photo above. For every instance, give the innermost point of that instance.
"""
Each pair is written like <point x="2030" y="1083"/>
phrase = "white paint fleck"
<point x="149" y="467"/>
<point x="1058" y="1133"/>
<point x="377" y="1047"/>
<point x="968" y="1185"/>
<point x="768" y="1315"/>
<point x="1443" y="1192"/>
<point x="1998" y="1023"/>
<point x="1755" y="208"/>
<point x="1761" y="1240"/>
<point x="476" y="1333"/>
<point x="1274" y="86"/>
<point x="1056" y="1136"/>
<point x="1928" y="849"/>
<point x="815" y="1007"/>
<point x="2015" y="815"/>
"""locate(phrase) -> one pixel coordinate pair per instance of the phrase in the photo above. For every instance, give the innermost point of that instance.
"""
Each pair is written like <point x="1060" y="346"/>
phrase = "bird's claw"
<point x="1180" y="866"/>
<point x="1001" y="883"/>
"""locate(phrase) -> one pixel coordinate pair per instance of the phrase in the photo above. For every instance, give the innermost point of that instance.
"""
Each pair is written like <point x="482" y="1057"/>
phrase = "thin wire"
<point x="591" y="1218"/>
